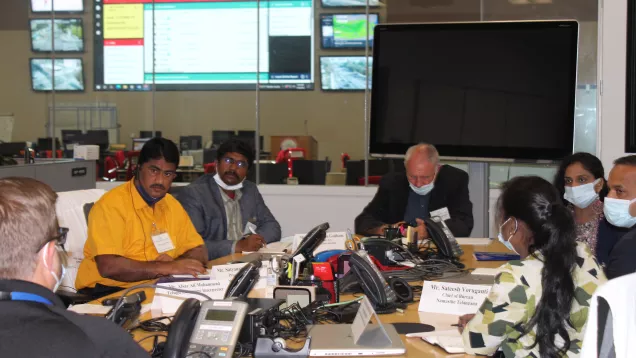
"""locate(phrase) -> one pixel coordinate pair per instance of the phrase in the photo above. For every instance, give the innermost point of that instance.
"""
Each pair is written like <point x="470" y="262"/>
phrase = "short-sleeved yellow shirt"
<point x="121" y="223"/>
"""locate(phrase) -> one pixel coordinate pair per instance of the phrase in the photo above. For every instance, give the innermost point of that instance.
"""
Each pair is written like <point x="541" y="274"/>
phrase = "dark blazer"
<point x="622" y="258"/>
<point x="203" y="202"/>
<point x="389" y="203"/>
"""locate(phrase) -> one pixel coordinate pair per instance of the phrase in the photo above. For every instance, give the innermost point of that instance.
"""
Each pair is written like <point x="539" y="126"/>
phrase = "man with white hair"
<point x="35" y="322"/>
<point x="426" y="189"/>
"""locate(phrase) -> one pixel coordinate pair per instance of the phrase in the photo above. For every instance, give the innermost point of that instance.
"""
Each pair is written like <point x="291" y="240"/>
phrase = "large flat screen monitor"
<point x="204" y="45"/>
<point x="68" y="33"/>
<point x="69" y="74"/>
<point x="350" y="3"/>
<point x="347" y="31"/>
<point x="344" y="73"/>
<point x="501" y="90"/>
<point x="40" y="6"/>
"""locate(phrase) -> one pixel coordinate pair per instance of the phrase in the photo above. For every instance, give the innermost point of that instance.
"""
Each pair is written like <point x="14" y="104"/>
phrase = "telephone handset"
<point x="443" y="237"/>
<point x="203" y="329"/>
<point x="311" y="241"/>
<point x="244" y="280"/>
<point x="374" y="285"/>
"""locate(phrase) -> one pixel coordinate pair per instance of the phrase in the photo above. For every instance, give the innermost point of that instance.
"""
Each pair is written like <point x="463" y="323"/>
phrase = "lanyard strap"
<point x="23" y="296"/>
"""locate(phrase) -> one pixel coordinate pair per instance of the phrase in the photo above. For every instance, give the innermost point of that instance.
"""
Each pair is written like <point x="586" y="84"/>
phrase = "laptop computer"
<point x="337" y="340"/>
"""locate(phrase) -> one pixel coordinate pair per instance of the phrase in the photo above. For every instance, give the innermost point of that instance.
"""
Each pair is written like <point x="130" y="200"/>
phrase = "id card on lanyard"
<point x="161" y="239"/>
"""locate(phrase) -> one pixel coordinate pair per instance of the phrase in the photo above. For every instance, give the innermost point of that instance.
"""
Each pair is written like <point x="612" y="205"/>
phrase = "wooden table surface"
<point x="415" y="347"/>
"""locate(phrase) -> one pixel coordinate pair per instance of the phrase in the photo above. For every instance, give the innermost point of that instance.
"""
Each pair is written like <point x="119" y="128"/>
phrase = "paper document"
<point x="473" y="241"/>
<point x="451" y="340"/>
<point x="485" y="271"/>
<point x="277" y="247"/>
<point x="203" y="276"/>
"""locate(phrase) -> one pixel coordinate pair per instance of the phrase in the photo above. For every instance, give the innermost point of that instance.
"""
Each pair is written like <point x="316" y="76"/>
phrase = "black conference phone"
<point x="205" y="329"/>
<point x="443" y="238"/>
<point x="379" y="291"/>
<point x="244" y="280"/>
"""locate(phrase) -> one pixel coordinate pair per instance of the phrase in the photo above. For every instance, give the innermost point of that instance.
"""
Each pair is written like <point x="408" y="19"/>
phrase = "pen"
<point x="455" y="325"/>
<point x="254" y="232"/>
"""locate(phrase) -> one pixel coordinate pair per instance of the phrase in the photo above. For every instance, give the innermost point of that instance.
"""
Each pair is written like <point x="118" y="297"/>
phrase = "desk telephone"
<point x="443" y="238"/>
<point x="205" y="329"/>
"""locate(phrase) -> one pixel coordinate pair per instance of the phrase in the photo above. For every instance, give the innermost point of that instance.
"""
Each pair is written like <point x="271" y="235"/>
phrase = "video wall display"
<point x="344" y="73"/>
<point x="68" y="33"/>
<point x="347" y="31"/>
<point x="350" y="3"/>
<point x="204" y="45"/>
<point x="68" y="74"/>
<point x="44" y="6"/>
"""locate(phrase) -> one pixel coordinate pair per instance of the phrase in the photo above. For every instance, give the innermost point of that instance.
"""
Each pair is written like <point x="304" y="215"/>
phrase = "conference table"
<point x="415" y="347"/>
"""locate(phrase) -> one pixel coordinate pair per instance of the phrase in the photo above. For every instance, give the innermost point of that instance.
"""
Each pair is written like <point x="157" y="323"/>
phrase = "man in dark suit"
<point x="426" y="189"/>
<point x="227" y="210"/>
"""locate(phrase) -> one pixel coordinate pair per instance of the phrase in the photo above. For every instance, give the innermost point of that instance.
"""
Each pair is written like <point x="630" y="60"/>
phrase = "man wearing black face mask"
<point x="227" y="210"/>
<point x="138" y="231"/>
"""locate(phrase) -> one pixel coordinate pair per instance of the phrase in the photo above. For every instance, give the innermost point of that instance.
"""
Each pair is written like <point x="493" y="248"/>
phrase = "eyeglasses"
<point x="60" y="238"/>
<point x="239" y="163"/>
<point x="154" y="171"/>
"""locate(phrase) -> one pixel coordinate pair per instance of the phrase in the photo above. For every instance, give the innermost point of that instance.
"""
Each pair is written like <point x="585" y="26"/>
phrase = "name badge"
<point x="250" y="228"/>
<point x="162" y="242"/>
<point x="442" y="213"/>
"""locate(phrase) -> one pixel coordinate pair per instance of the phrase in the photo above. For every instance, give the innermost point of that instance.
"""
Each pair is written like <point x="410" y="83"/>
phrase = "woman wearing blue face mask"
<point x="538" y="304"/>
<point x="580" y="180"/>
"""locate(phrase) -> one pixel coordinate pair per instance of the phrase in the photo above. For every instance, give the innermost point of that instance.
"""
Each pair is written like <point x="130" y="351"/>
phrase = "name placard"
<point x="168" y="301"/>
<point x="333" y="241"/>
<point x="452" y="298"/>
<point x="227" y="272"/>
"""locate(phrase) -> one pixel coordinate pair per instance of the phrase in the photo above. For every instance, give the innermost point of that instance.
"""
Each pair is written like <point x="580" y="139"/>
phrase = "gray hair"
<point x="27" y="220"/>
<point x="424" y="148"/>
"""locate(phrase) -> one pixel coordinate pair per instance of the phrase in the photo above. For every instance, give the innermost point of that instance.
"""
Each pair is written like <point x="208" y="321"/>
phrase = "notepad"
<point x="451" y="340"/>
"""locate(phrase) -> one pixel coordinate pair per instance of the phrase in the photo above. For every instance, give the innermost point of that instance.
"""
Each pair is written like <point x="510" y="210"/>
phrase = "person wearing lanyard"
<point x="138" y="232"/>
<point x="35" y="322"/>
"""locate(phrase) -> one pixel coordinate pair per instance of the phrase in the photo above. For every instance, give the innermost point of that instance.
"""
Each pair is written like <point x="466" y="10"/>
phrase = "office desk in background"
<point x="415" y="347"/>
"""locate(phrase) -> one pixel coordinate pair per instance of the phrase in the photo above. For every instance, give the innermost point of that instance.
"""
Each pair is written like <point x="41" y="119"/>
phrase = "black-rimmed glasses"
<point x="60" y="238"/>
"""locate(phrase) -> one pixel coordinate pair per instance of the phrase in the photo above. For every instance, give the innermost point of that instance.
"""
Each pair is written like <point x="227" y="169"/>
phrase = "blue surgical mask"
<point x="144" y="195"/>
<point x="424" y="189"/>
<point x="503" y="241"/>
<point x="617" y="212"/>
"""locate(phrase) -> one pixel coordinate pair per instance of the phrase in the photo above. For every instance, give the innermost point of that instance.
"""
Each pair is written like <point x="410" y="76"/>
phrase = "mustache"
<point x="157" y="186"/>
<point x="229" y="172"/>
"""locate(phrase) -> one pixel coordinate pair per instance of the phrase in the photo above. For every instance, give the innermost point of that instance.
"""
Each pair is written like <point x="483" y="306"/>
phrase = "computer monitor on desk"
<point x="47" y="144"/>
<point x="138" y="143"/>
<point x="12" y="149"/>
<point x="97" y="137"/>
<point x="218" y="137"/>
<point x="149" y="134"/>
<point x="190" y="142"/>
<point x="311" y="172"/>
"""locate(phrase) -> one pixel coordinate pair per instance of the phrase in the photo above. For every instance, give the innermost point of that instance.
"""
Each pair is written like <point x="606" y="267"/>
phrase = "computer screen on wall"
<point x="204" y="45"/>
<point x="69" y="74"/>
<point x="60" y="5"/>
<point x="344" y="73"/>
<point x="347" y="31"/>
<point x="69" y="35"/>
<point x="480" y="90"/>
<point x="350" y="3"/>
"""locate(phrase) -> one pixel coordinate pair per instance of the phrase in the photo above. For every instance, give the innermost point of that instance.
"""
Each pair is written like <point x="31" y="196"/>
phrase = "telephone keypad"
<point x="202" y="349"/>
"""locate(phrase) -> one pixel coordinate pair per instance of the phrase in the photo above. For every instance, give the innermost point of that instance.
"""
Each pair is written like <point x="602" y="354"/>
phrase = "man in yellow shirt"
<point x="138" y="231"/>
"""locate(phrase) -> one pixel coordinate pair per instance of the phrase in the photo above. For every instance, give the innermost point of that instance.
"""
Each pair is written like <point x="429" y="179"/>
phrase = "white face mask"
<point x="507" y="243"/>
<point x="581" y="196"/>
<point x="58" y="280"/>
<point x="617" y="212"/>
<point x="424" y="189"/>
<point x="225" y="186"/>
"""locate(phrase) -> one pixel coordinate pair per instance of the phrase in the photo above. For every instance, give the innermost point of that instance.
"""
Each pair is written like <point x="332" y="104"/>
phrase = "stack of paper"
<point x="451" y="340"/>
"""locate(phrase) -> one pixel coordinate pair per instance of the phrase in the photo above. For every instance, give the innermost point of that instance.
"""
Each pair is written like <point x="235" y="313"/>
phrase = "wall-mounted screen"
<point x="69" y="35"/>
<point x="69" y="74"/>
<point x="475" y="90"/>
<point x="344" y="73"/>
<point x="204" y="45"/>
<point x="350" y="3"/>
<point x="347" y="31"/>
<point x="60" y="5"/>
